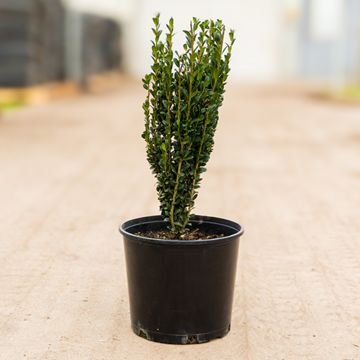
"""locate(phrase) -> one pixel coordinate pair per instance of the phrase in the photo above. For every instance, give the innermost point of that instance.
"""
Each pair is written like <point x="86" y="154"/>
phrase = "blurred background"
<point x="73" y="166"/>
<point x="47" y="41"/>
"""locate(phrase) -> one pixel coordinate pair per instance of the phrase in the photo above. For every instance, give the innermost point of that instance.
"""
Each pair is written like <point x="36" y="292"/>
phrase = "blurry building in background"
<point x="92" y="45"/>
<point x="45" y="41"/>
<point x="31" y="42"/>
<point x="329" y="40"/>
<point x="316" y="40"/>
<point x="49" y="40"/>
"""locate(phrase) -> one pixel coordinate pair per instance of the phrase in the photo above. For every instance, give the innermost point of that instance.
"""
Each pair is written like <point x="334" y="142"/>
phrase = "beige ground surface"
<point x="285" y="166"/>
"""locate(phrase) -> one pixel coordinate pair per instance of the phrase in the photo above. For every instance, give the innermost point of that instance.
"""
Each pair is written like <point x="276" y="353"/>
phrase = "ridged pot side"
<point x="181" y="291"/>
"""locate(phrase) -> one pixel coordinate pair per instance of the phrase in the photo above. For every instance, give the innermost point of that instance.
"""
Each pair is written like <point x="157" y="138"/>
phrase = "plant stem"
<point x="173" y="228"/>
<point x="181" y="151"/>
<point x="178" y="117"/>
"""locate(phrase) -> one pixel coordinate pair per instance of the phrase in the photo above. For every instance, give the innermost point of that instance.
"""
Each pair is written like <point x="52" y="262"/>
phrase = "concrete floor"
<point x="286" y="166"/>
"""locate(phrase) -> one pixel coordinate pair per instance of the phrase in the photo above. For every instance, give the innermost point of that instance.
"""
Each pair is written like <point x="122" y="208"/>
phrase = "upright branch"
<point x="184" y="93"/>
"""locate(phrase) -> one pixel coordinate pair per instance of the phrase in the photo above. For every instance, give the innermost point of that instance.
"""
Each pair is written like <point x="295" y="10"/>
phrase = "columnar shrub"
<point x="184" y="92"/>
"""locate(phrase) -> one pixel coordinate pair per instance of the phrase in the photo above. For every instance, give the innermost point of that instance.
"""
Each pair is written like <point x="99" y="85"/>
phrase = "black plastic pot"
<point x="181" y="291"/>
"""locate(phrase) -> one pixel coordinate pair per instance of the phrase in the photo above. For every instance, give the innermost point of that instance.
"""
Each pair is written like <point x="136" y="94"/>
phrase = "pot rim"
<point x="196" y="219"/>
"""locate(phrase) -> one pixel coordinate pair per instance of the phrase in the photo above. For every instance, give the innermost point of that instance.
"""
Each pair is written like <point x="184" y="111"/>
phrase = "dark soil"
<point x="194" y="234"/>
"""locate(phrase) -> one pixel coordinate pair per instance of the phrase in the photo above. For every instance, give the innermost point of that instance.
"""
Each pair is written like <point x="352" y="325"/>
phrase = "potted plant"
<point x="181" y="267"/>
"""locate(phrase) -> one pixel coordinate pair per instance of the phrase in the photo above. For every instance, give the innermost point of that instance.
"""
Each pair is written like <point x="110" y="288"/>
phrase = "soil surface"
<point x="194" y="234"/>
<point x="284" y="165"/>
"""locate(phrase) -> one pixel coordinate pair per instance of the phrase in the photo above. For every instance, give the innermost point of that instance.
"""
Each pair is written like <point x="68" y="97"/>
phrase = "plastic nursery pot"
<point x="181" y="291"/>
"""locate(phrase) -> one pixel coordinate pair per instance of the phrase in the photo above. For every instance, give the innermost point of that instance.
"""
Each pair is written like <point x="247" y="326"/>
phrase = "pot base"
<point x="179" y="339"/>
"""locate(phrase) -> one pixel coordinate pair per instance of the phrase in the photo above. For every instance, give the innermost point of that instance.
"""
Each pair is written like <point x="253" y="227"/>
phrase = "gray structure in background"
<point x="31" y="41"/>
<point x="92" y="45"/>
<point x="43" y="41"/>
<point x="73" y="46"/>
<point x="336" y="58"/>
